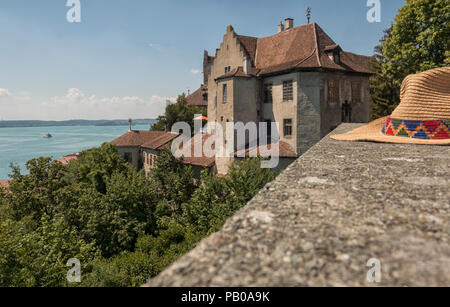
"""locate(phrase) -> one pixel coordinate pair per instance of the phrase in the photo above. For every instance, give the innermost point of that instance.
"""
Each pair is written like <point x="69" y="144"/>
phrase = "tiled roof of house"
<point x="302" y="47"/>
<point x="196" y="98"/>
<point x="250" y="44"/>
<point x="204" y="160"/>
<point x="160" y="140"/>
<point x="4" y="183"/>
<point x="150" y="139"/>
<point x="285" y="150"/>
<point x="66" y="159"/>
<point x="239" y="73"/>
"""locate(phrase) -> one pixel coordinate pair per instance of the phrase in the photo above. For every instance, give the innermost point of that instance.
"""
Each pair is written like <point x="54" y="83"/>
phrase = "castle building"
<point x="298" y="77"/>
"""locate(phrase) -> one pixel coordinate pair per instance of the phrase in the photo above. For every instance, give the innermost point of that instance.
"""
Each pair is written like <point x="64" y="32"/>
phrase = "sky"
<point x="126" y="58"/>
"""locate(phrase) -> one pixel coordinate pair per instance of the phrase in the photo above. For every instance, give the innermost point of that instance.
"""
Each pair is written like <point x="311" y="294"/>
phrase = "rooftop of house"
<point x="330" y="212"/>
<point x="66" y="159"/>
<point x="146" y="139"/>
<point x="297" y="48"/>
<point x="198" y="140"/>
<point x="197" y="97"/>
<point x="4" y="183"/>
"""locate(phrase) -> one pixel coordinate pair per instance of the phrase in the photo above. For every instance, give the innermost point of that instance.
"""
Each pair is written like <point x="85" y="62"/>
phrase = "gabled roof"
<point x="238" y="72"/>
<point x="160" y="141"/>
<point x="66" y="159"/>
<point x="249" y="44"/>
<point x="196" y="98"/>
<point x="203" y="160"/>
<point x="147" y="139"/>
<point x="303" y="47"/>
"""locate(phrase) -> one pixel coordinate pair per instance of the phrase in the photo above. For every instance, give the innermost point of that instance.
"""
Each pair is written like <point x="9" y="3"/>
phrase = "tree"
<point x="37" y="257"/>
<point x="172" y="181"/>
<point x="417" y="41"/>
<point x="34" y="194"/>
<point x="177" y="112"/>
<point x="95" y="166"/>
<point x="384" y="93"/>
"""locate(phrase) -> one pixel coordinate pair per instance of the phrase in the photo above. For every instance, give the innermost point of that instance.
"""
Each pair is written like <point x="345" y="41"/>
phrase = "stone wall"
<point x="330" y="212"/>
<point x="308" y="111"/>
<point x="279" y="109"/>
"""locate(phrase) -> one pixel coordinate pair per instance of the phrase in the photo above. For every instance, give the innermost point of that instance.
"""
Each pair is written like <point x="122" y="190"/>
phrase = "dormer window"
<point x="334" y="53"/>
<point x="334" y="56"/>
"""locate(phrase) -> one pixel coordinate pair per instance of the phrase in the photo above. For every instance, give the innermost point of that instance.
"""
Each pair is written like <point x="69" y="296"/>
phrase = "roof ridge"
<point x="317" y="49"/>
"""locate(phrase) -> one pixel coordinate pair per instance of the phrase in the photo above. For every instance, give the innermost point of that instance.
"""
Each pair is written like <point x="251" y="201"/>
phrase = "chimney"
<point x="289" y="23"/>
<point x="280" y="27"/>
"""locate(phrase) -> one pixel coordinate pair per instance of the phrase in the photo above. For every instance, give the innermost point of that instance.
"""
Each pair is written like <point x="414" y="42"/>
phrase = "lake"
<point x="19" y="145"/>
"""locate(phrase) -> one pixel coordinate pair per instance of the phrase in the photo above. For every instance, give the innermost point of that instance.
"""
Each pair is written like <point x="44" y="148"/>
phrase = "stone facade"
<point x="312" y="113"/>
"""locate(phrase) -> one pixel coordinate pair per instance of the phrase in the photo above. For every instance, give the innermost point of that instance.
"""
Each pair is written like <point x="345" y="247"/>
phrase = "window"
<point x="225" y="94"/>
<point x="287" y="127"/>
<point x="288" y="92"/>
<point x="337" y="58"/>
<point x="221" y="118"/>
<point x="128" y="157"/>
<point x="205" y="97"/>
<point x="356" y="91"/>
<point x="227" y="69"/>
<point x="268" y="93"/>
<point x="333" y="91"/>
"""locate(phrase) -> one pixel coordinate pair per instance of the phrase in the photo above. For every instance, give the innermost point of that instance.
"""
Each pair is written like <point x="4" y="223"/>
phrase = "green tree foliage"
<point x="417" y="41"/>
<point x="34" y="194"/>
<point x="121" y="225"/>
<point x="385" y="94"/>
<point x="177" y="112"/>
<point x="37" y="257"/>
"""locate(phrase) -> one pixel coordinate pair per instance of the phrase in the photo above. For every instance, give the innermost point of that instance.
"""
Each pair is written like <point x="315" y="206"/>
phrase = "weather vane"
<point x="308" y="14"/>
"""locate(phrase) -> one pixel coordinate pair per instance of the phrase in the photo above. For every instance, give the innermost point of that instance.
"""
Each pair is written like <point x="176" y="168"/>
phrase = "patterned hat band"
<point x="416" y="129"/>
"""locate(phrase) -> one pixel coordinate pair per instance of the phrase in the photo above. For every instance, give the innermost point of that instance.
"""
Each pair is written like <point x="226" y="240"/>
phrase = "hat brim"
<point x="372" y="132"/>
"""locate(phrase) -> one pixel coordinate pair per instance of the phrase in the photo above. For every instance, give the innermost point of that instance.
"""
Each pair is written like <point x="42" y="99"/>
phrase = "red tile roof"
<point x="160" y="141"/>
<point x="204" y="160"/>
<point x="302" y="47"/>
<point x="249" y="44"/>
<point x="238" y="72"/>
<point x="4" y="183"/>
<point x="136" y="138"/>
<point x="66" y="159"/>
<point x="196" y="98"/>
<point x="285" y="150"/>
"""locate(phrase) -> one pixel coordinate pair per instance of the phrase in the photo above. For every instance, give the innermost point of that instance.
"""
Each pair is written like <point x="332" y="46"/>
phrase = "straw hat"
<point x="422" y="117"/>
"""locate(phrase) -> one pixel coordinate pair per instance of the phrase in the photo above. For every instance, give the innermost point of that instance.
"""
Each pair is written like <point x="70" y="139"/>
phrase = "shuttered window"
<point x="288" y="90"/>
<point x="356" y="91"/>
<point x="333" y="91"/>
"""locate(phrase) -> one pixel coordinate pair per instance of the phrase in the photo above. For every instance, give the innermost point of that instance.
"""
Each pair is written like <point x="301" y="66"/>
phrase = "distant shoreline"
<point x="68" y="123"/>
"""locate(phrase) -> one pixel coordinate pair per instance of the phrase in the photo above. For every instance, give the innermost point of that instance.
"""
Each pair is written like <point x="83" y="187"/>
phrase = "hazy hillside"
<point x="38" y="123"/>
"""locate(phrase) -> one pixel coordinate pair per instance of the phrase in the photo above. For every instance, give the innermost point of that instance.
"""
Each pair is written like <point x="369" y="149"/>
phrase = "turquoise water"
<point x="19" y="145"/>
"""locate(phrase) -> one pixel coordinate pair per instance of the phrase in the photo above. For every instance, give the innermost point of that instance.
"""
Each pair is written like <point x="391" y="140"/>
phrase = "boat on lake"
<point x="47" y="136"/>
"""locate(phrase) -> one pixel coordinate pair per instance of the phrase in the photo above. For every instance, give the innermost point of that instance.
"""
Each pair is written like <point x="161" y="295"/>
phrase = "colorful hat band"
<point x="416" y="129"/>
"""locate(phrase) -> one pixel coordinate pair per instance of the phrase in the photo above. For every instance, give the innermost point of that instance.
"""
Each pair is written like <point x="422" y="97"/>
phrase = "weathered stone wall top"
<point x="323" y="218"/>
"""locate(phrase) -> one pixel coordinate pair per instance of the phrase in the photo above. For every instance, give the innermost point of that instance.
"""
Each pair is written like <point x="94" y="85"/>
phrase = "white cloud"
<point x="4" y="92"/>
<point x="156" y="47"/>
<point x="77" y="105"/>
<point x="196" y="71"/>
